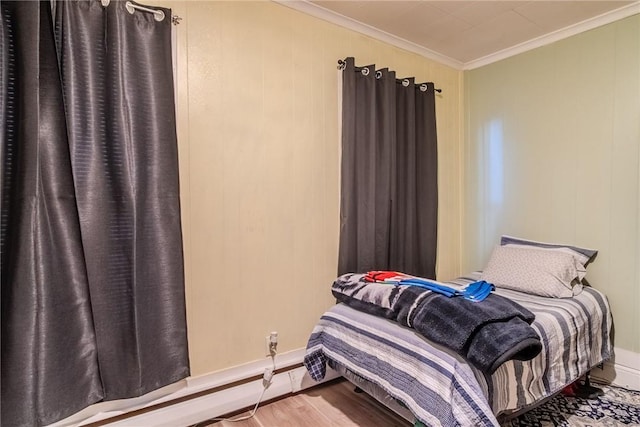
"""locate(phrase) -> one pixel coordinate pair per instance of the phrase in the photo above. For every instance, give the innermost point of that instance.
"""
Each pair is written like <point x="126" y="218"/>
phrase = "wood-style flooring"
<point x="331" y="404"/>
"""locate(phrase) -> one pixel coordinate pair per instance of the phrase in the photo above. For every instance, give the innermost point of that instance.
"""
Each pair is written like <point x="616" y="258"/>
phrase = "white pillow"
<point x="583" y="255"/>
<point x="534" y="271"/>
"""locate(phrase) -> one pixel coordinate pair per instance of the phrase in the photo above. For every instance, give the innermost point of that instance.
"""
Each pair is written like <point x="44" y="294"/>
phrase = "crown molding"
<point x="320" y="12"/>
<point x="586" y="25"/>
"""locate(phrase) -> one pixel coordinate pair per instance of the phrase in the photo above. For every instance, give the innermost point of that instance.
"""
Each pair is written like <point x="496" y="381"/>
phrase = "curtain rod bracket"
<point x="175" y="19"/>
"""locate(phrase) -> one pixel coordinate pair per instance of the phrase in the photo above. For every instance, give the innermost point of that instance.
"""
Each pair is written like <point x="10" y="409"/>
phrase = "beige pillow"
<point x="534" y="271"/>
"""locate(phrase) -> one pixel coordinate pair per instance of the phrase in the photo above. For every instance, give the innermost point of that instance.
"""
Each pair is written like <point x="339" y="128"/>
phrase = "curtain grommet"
<point x="158" y="15"/>
<point x="365" y="71"/>
<point x="105" y="3"/>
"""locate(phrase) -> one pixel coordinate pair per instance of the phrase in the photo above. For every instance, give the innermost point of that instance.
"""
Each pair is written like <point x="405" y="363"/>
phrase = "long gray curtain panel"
<point x="389" y="173"/>
<point x="93" y="303"/>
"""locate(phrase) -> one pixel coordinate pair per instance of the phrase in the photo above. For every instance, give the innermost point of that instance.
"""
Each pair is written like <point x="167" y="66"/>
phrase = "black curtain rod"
<point x="342" y="64"/>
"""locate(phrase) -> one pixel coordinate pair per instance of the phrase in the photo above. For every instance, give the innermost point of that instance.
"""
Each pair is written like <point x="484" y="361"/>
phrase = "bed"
<point x="427" y="383"/>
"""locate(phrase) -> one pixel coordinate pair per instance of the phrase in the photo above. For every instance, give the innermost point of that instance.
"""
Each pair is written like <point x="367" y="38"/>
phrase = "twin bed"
<point x="428" y="383"/>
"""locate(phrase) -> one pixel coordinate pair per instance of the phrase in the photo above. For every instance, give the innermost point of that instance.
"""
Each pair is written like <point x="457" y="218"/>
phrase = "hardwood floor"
<point x="331" y="404"/>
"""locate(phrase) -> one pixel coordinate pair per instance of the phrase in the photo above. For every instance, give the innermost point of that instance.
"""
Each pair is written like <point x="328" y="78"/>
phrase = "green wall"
<point x="552" y="153"/>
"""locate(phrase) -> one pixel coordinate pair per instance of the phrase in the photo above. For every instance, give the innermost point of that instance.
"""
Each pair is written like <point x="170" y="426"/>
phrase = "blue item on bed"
<point x="476" y="291"/>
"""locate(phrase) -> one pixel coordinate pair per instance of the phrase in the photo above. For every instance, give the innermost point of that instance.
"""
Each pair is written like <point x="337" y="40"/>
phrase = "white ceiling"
<point x="467" y="34"/>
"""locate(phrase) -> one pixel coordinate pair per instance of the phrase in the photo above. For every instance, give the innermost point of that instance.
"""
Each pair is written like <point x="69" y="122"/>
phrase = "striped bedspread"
<point x="441" y="388"/>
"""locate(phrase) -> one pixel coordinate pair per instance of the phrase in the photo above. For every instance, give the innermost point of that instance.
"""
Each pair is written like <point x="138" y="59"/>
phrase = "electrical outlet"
<point x="271" y="344"/>
<point x="267" y="345"/>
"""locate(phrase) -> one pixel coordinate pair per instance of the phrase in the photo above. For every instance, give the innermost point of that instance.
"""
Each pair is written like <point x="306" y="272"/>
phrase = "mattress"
<point x="441" y="388"/>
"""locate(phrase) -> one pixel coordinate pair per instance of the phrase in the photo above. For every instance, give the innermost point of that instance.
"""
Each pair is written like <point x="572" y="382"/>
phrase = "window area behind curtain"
<point x="389" y="187"/>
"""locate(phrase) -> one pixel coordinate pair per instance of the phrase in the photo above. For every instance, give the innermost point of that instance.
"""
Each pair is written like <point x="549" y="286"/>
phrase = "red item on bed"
<point x="382" y="275"/>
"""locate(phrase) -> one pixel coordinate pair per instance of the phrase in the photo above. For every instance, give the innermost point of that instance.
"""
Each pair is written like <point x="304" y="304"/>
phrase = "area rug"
<point x="615" y="408"/>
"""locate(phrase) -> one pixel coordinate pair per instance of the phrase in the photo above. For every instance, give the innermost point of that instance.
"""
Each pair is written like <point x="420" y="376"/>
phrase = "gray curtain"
<point x="389" y="184"/>
<point x="92" y="273"/>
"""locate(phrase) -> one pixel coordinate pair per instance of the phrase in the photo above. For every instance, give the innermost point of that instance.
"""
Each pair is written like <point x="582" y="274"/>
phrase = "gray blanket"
<point x="486" y="333"/>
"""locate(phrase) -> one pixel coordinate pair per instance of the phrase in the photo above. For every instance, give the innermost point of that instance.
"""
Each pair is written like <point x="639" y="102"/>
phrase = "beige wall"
<point x="258" y="136"/>
<point x="552" y="153"/>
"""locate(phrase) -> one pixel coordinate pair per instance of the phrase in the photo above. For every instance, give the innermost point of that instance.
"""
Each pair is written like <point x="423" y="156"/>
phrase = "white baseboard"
<point x="223" y="402"/>
<point x="291" y="378"/>
<point x="622" y="370"/>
